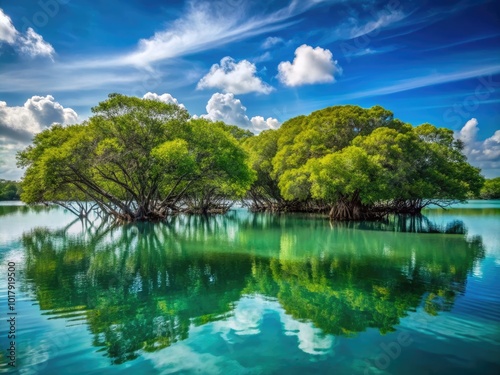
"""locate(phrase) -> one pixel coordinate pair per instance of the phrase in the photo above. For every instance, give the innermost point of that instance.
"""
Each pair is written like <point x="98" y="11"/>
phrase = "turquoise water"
<point x="253" y="294"/>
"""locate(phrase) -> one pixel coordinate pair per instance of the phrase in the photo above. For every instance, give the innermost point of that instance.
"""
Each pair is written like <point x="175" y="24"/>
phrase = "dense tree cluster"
<point x="491" y="189"/>
<point x="138" y="159"/>
<point x="9" y="190"/>
<point x="357" y="164"/>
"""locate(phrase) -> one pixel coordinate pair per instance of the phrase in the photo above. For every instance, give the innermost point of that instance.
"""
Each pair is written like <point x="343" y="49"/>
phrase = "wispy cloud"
<point x="271" y="41"/>
<point x="370" y="24"/>
<point x="422" y="19"/>
<point x="356" y="52"/>
<point x="382" y="19"/>
<point x="204" y="26"/>
<point x="61" y="78"/>
<point x="462" y="42"/>
<point x="424" y="81"/>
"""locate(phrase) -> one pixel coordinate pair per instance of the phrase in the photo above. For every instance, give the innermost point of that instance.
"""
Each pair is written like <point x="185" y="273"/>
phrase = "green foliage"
<point x="136" y="158"/>
<point x="443" y="168"/>
<point x="325" y="131"/>
<point x="144" y="159"/>
<point x="9" y="190"/>
<point x="363" y="159"/>
<point x="262" y="150"/>
<point x="237" y="132"/>
<point x="344" y="173"/>
<point x="491" y="189"/>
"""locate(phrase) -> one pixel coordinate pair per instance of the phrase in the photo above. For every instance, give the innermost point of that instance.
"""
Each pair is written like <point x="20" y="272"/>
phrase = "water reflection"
<point x="408" y="224"/>
<point x="9" y="209"/>
<point x="141" y="287"/>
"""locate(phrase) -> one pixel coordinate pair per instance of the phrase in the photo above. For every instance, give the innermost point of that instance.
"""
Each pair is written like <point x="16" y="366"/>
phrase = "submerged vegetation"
<point x="142" y="160"/>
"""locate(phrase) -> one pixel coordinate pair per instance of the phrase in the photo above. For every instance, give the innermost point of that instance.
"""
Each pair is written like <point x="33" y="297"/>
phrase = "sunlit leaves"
<point x="137" y="158"/>
<point x="364" y="156"/>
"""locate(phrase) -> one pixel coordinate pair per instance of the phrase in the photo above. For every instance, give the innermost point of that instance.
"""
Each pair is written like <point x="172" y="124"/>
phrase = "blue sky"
<point x="252" y="63"/>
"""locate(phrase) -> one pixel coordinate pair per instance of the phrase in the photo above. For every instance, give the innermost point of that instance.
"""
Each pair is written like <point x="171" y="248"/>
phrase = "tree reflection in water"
<point x="140" y="287"/>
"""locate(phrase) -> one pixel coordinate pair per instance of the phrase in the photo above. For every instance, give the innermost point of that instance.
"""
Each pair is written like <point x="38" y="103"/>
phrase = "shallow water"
<point x="254" y="294"/>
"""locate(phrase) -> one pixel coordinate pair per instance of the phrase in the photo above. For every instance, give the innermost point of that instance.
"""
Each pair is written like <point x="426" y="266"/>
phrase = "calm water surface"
<point x="254" y="294"/>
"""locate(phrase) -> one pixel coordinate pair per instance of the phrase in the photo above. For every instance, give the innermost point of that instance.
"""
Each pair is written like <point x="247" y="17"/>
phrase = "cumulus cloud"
<point x="225" y="107"/>
<point x="165" y="98"/>
<point x="271" y="42"/>
<point x="30" y="43"/>
<point x="468" y="133"/>
<point x="237" y="78"/>
<point x="46" y="111"/>
<point x="18" y="125"/>
<point x="259" y="123"/>
<point x="310" y="65"/>
<point x="483" y="154"/>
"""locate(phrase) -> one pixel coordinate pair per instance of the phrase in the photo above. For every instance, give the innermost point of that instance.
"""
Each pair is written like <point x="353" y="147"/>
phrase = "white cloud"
<point x="31" y="43"/>
<point x="266" y="56"/>
<point x="238" y="78"/>
<point x="18" y="125"/>
<point x="271" y="42"/>
<point x="247" y="319"/>
<point x="202" y="27"/>
<point x="311" y="339"/>
<point x="468" y="133"/>
<point x="165" y="98"/>
<point x="8" y="32"/>
<point x="226" y="108"/>
<point x="184" y="357"/>
<point x="483" y="154"/>
<point x="259" y="123"/>
<point x="47" y="111"/>
<point x="310" y="65"/>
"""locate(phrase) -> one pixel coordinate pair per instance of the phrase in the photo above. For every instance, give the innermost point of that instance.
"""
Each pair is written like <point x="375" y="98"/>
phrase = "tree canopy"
<point x="9" y="190"/>
<point x="140" y="159"/>
<point x="136" y="159"/>
<point x="359" y="164"/>
<point x="491" y="189"/>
